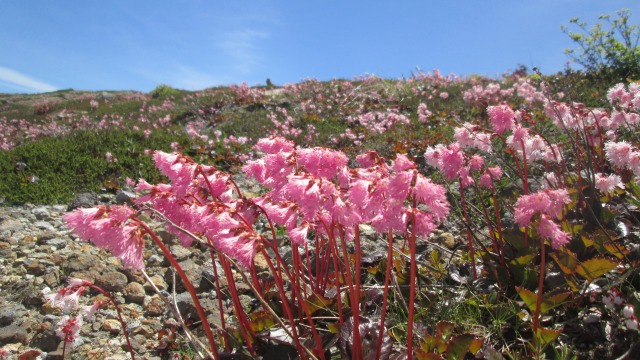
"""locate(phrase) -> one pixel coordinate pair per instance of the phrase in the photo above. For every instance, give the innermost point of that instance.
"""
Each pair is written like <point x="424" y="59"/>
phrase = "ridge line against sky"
<point x="198" y="44"/>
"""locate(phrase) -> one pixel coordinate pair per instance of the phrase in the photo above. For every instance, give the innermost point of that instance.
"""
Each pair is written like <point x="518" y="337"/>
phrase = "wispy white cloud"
<point x="188" y="78"/>
<point x="13" y="79"/>
<point x="243" y="49"/>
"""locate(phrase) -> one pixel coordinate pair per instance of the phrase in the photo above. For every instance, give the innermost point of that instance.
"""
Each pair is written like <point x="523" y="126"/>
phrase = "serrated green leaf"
<point x="596" y="267"/>
<point x="459" y="346"/>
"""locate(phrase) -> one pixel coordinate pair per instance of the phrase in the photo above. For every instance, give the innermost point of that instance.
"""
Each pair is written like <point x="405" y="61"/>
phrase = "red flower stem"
<point x="385" y="294"/>
<point x="188" y="285"/>
<point x="285" y="306"/>
<point x="492" y="234"/>
<point x="536" y="318"/>
<point x="245" y="326"/>
<point x="225" y="336"/>
<point x="354" y="302"/>
<point x="356" y="314"/>
<point x="472" y="252"/>
<point x="124" y="327"/>
<point x="336" y="272"/>
<point x="64" y="347"/>
<point x="498" y="225"/>
<point x="412" y="281"/>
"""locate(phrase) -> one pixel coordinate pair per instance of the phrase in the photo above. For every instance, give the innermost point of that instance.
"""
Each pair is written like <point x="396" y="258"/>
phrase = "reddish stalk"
<point x="412" y="283"/>
<point x="225" y="336"/>
<point x="353" y="300"/>
<point x="472" y="253"/>
<point x="124" y="327"/>
<point x="187" y="284"/>
<point x="385" y="294"/>
<point x="245" y="326"/>
<point x="536" y="318"/>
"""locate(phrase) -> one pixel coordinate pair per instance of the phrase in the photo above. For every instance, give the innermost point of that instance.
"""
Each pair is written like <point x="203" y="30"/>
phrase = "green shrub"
<point x="164" y="91"/>
<point x="613" y="54"/>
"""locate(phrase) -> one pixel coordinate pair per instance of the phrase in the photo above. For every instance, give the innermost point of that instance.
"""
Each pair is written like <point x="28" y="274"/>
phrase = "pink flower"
<point x="298" y="235"/>
<point x="476" y="162"/>
<point x="240" y="244"/>
<point x="452" y="161"/>
<point x="608" y="184"/>
<point x="631" y="323"/>
<point x="432" y="195"/>
<point x="618" y="152"/>
<point x="68" y="330"/>
<point x="496" y="172"/>
<point x="485" y="181"/>
<point x="549" y="230"/>
<point x="106" y="228"/>
<point x="402" y="163"/>
<point x="66" y="298"/>
<point x="88" y="311"/>
<point x="322" y="162"/>
<point x="274" y="145"/>
<point x="502" y="117"/>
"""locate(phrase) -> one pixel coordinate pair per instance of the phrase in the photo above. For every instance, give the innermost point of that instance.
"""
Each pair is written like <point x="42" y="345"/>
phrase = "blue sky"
<point x="195" y="44"/>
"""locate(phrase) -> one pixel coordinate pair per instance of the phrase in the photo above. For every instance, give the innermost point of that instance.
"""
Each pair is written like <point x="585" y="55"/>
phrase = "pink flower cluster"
<point x="314" y="189"/>
<point x="624" y="156"/>
<point x="379" y="121"/>
<point x="549" y="205"/>
<point x="110" y="228"/>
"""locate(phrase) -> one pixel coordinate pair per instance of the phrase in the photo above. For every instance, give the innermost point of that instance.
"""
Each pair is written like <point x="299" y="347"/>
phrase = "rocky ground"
<point x="38" y="254"/>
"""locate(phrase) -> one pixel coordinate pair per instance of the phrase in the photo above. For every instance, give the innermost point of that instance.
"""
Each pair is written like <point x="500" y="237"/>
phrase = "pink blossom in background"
<point x="502" y="117"/>
<point x="619" y="153"/>
<point x="608" y="184"/>
<point x="444" y="95"/>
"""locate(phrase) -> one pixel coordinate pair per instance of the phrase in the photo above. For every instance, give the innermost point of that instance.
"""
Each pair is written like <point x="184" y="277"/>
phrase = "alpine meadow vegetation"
<point x="505" y="211"/>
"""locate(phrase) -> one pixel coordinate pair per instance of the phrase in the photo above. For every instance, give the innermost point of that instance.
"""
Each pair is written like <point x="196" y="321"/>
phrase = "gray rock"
<point x="45" y="340"/>
<point x="180" y="252"/>
<point x="12" y="334"/>
<point x="83" y="200"/>
<point x="57" y="243"/>
<point x="59" y="208"/>
<point x="11" y="225"/>
<point x="112" y="281"/>
<point x="41" y="213"/>
<point x="9" y="313"/>
<point x="125" y="197"/>
<point x="134" y="292"/>
<point x="43" y="225"/>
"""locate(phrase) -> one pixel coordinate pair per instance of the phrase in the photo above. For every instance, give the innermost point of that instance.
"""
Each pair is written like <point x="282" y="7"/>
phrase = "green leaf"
<point x="545" y="336"/>
<point x="528" y="296"/>
<point x="567" y="261"/>
<point x="458" y="346"/>
<point x="596" y="267"/>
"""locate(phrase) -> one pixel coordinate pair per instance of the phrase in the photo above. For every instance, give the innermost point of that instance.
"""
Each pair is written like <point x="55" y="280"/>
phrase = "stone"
<point x="155" y="306"/>
<point x="9" y="313"/>
<point x="12" y="334"/>
<point x="11" y="225"/>
<point x="41" y="212"/>
<point x="134" y="292"/>
<point x="83" y="200"/>
<point x="125" y="197"/>
<point x="45" y="339"/>
<point x="180" y="253"/>
<point x="113" y="281"/>
<point x="111" y="325"/>
<point x="446" y="239"/>
<point x="35" y="268"/>
<point x="158" y="281"/>
<point x="44" y="225"/>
